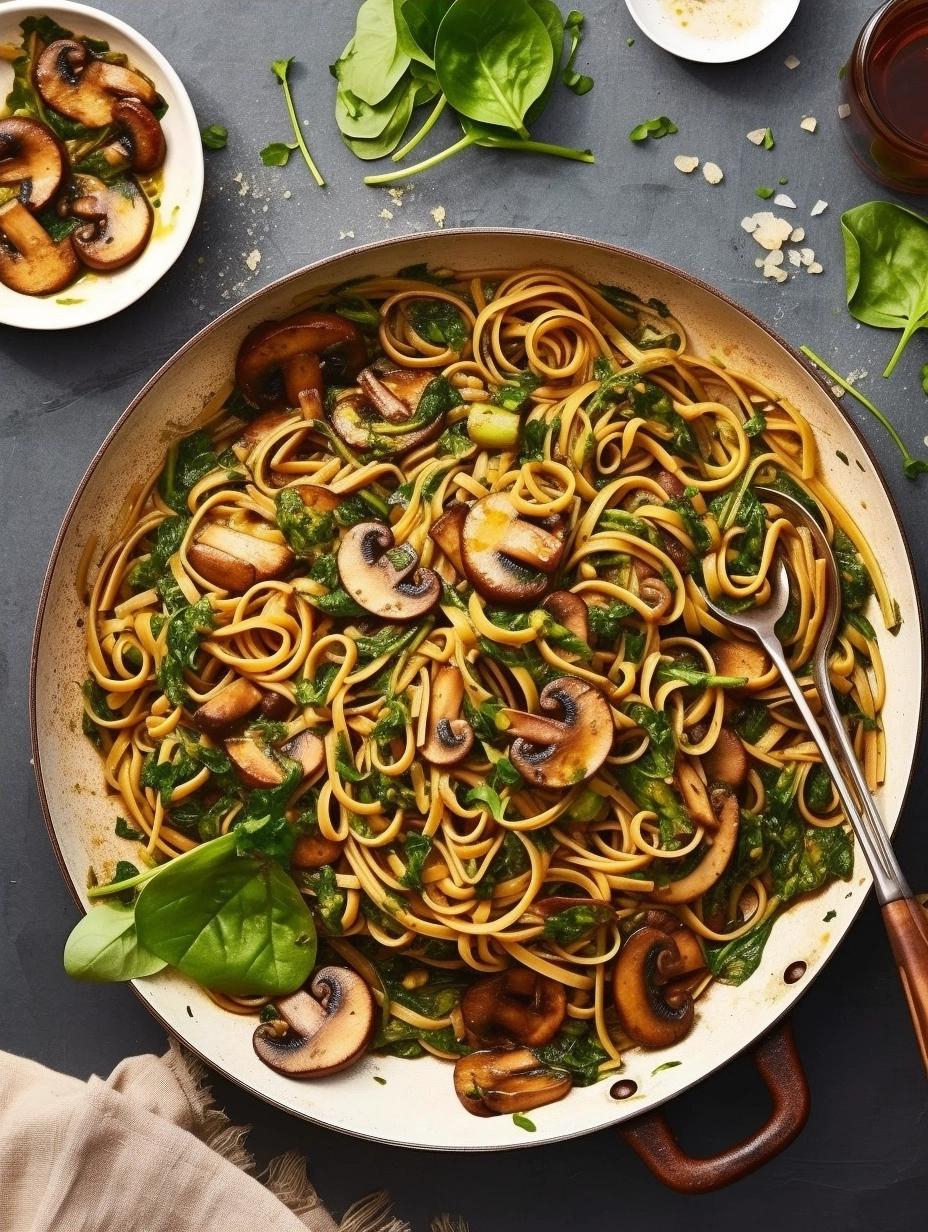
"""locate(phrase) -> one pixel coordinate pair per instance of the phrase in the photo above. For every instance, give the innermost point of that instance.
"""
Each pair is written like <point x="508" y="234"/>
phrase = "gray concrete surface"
<point x="862" y="1162"/>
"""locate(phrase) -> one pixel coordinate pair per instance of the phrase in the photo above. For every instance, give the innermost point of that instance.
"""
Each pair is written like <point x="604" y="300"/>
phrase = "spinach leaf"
<point x="183" y="645"/>
<point x="234" y="923"/>
<point x="392" y="721"/>
<point x="438" y="322"/>
<point x="188" y="461"/>
<point x="304" y="529"/>
<point x="578" y="82"/>
<point x="806" y="857"/>
<point x="504" y="774"/>
<point x="168" y="538"/>
<point x="454" y="441"/>
<point x="398" y="105"/>
<point x="487" y="797"/>
<point x="513" y="394"/>
<point x="751" y="516"/>
<point x="658" y="760"/>
<point x="575" y="922"/>
<point x="576" y="1049"/>
<point x="818" y="789"/>
<point x="661" y="798"/>
<point x="606" y="620"/>
<point x="330" y="900"/>
<point x="314" y="692"/>
<point x="510" y="860"/>
<point x="493" y="60"/>
<point x="214" y="136"/>
<point x="416" y="850"/>
<point x="695" y="526"/>
<point x="886" y="269"/>
<point x="417" y="23"/>
<point x="654" y="404"/>
<point x="373" y="62"/>
<point x="686" y="669"/>
<point x="271" y="836"/>
<point x="856" y="584"/>
<point x="484" y="719"/>
<point x="389" y="640"/>
<point x="559" y="635"/>
<point x="751" y="720"/>
<point x="736" y="961"/>
<point x="104" y="947"/>
<point x="122" y="829"/>
<point x="660" y="126"/>
<point x="628" y="524"/>
<point x="532" y="437"/>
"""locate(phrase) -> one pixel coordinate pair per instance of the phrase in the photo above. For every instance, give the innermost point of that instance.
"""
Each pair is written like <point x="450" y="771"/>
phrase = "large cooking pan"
<point x="417" y="1106"/>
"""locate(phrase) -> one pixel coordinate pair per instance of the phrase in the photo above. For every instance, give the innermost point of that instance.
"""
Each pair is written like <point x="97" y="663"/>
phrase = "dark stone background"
<point x="862" y="1162"/>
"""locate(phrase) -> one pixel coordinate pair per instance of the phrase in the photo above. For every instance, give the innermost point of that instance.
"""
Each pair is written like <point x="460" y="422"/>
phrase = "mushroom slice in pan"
<point x="395" y="393"/>
<point x="313" y="851"/>
<point x="713" y="864"/>
<point x="695" y="794"/>
<point x="229" y="706"/>
<point x="320" y="1031"/>
<point x="501" y="1081"/>
<point x="735" y="657"/>
<point x="118" y="221"/>
<point x="382" y="578"/>
<point x="561" y="752"/>
<point x="450" y="738"/>
<point x="727" y="761"/>
<point x="650" y="1012"/>
<point x="517" y="1006"/>
<point x="260" y="427"/>
<point x="32" y="157"/>
<point x="570" y="611"/>
<point x="307" y="749"/>
<point x="505" y="556"/>
<point x="140" y="140"/>
<point x="75" y="83"/>
<point x="235" y="561"/>
<point x="447" y="531"/>
<point x="410" y="421"/>
<point x="30" y="261"/>
<point x="281" y="363"/>
<point x="256" y="766"/>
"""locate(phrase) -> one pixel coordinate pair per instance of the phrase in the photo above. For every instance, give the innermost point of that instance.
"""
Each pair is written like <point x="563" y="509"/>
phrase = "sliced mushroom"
<point x="235" y="561"/>
<point x="517" y="1006"/>
<point x="738" y="658"/>
<point x="32" y="157"/>
<point x="260" y="427"/>
<point x="321" y="500"/>
<point x="718" y="853"/>
<point x="307" y="749"/>
<point x="695" y="794"/>
<point x="502" y="1081"/>
<point x="383" y="579"/>
<point x="505" y="556"/>
<point x="447" y="532"/>
<point x="228" y="707"/>
<point x="84" y="88"/>
<point x="30" y="261"/>
<point x="570" y="611"/>
<point x="651" y="1014"/>
<point x="275" y="706"/>
<point x="140" y="140"/>
<point x="450" y="738"/>
<point x="280" y="363"/>
<point x="321" y="1031"/>
<point x="671" y="484"/>
<point x="119" y="219"/>
<point x="313" y="851"/>
<point x="692" y="957"/>
<point x="395" y="392"/>
<point x="355" y="420"/>
<point x="564" y="751"/>
<point x="727" y="761"/>
<point x="256" y="766"/>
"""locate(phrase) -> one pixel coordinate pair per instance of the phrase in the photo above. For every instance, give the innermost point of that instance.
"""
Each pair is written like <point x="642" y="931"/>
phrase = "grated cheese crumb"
<point x="759" y="262"/>
<point x="253" y="260"/>
<point x="798" y="235"/>
<point x="774" y="258"/>
<point x="396" y="194"/>
<point x="807" y="255"/>
<point x="784" y="201"/>
<point x="757" y="135"/>
<point x="750" y="224"/>
<point x="771" y="232"/>
<point x="712" y="173"/>
<point x="809" y="124"/>
<point x="287" y="194"/>
<point x="815" y="268"/>
<point x="792" y="62"/>
<point x="438" y="215"/>
<point x="819" y="208"/>
<point x="386" y="214"/>
<point x="686" y="163"/>
<point x="346" y="235"/>
<point x="794" y="258"/>
<point x="843" y="111"/>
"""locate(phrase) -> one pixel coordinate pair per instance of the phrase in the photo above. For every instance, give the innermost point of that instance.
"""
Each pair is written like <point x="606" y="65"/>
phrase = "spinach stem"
<point x="904" y="341"/>
<point x="423" y="131"/>
<point x="402" y="173"/>
<point x="539" y="147"/>
<point x="911" y="465"/>
<point x="117" y="887"/>
<point x="297" y="132"/>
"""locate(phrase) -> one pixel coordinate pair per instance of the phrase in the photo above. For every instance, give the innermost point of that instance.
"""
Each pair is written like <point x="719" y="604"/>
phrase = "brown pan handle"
<point x="779" y="1065"/>
<point x="907" y="924"/>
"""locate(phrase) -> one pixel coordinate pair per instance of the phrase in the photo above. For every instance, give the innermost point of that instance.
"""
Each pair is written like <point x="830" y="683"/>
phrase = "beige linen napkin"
<point x="147" y="1150"/>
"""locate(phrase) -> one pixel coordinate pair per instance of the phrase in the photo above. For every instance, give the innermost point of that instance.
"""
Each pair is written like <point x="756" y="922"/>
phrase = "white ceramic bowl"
<point x="417" y="1106"/>
<point x="713" y="31"/>
<point x="97" y="296"/>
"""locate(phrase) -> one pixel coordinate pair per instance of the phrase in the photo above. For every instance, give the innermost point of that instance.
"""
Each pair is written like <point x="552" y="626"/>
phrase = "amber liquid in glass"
<point x="898" y="72"/>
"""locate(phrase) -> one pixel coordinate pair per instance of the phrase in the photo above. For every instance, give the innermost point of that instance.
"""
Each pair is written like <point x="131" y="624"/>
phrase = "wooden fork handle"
<point x="907" y="925"/>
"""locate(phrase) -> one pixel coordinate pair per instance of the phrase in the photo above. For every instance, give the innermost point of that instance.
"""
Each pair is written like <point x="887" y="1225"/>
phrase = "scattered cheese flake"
<point x="858" y="374"/>
<point x="396" y="194"/>
<point x="712" y="173"/>
<point x="843" y="111"/>
<point x="346" y="235"/>
<point x="749" y="224"/>
<point x="759" y="262"/>
<point x="287" y="194"/>
<point x="798" y="235"/>
<point x="809" y="124"/>
<point x="757" y="135"/>
<point x="807" y="255"/>
<point x="253" y="260"/>
<point x="778" y="275"/>
<point x="774" y="258"/>
<point x="792" y="62"/>
<point x="438" y="215"/>
<point x="785" y="202"/>
<point x="771" y="232"/>
<point x="815" y="268"/>
<point x="686" y="163"/>
<point x="386" y="214"/>
<point x="819" y="208"/>
<point x="794" y="258"/>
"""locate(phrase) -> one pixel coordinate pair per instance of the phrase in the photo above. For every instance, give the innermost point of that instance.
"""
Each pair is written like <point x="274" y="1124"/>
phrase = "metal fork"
<point x="905" y="920"/>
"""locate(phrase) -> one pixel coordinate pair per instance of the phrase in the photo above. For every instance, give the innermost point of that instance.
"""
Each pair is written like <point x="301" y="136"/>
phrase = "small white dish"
<point x="97" y="296"/>
<point x="713" y="31"/>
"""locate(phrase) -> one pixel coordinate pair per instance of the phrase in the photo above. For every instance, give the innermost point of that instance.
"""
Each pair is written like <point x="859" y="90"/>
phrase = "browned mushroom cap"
<point x="695" y="794"/>
<point x="561" y="752"/>
<point x="718" y="853"/>
<point x="275" y="706"/>
<point x="671" y="484"/>
<point x="313" y="851"/>
<point x="692" y="956"/>
<point x="570" y="611"/>
<point x="394" y="392"/>
<point x="450" y="738"/>
<point x="280" y="360"/>
<point x="650" y="1013"/>
<point x="255" y="765"/>
<point x="727" y="761"/>
<point x="140" y="137"/>
<point x="118" y="217"/>
<point x="383" y="579"/>
<point x="502" y="1081"/>
<point x="447" y="531"/>
<point x="307" y="749"/>
<point x="84" y="88"/>
<point x="738" y="658"/>
<point x="358" y="423"/>
<point x="323" y="1032"/>
<point x="228" y="707"/>
<point x="517" y="1006"/>
<point x="32" y="157"/>
<point x="505" y="556"/>
<point x="260" y="427"/>
<point x="235" y="561"/>
<point x="30" y="261"/>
